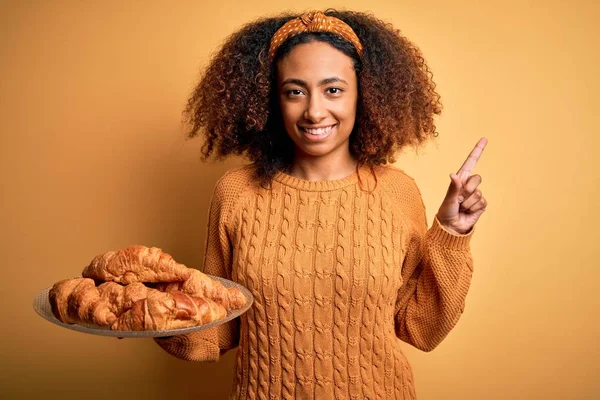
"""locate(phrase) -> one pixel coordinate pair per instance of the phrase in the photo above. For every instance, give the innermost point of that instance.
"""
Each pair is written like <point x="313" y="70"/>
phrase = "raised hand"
<point x="464" y="203"/>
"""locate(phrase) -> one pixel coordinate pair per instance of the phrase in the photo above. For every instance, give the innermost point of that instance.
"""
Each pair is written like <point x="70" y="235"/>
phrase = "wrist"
<point x="455" y="231"/>
<point x="451" y="229"/>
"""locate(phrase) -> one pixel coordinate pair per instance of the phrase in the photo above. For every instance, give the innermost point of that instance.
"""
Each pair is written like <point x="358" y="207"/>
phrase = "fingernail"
<point x="461" y="199"/>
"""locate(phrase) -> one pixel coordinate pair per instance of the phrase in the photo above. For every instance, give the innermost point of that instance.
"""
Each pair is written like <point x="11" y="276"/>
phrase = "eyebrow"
<point x="322" y="82"/>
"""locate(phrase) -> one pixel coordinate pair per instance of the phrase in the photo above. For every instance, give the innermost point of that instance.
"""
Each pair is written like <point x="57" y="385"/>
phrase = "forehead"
<point x="315" y="60"/>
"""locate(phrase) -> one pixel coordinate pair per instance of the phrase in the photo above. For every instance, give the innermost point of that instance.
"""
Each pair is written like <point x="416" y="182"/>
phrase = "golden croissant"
<point x="173" y="310"/>
<point x="143" y="289"/>
<point x="136" y="264"/>
<point x="121" y="298"/>
<point x="200" y="284"/>
<point x="76" y="301"/>
<point x="130" y="307"/>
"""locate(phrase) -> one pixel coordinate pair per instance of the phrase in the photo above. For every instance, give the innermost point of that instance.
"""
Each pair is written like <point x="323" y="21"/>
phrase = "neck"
<point x="319" y="169"/>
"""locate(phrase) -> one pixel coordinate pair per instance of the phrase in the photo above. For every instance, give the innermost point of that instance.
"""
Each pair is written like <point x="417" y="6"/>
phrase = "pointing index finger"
<point x="465" y="171"/>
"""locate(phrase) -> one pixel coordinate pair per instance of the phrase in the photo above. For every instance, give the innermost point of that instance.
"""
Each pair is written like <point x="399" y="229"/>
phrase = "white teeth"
<point x="318" y="131"/>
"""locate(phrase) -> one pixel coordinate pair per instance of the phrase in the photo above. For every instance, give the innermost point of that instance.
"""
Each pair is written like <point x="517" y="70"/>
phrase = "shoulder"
<point x="403" y="192"/>
<point x="231" y="185"/>
<point x="397" y="182"/>
<point x="236" y="180"/>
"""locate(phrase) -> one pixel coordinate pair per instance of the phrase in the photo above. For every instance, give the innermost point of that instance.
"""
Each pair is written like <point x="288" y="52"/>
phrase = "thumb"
<point x="453" y="195"/>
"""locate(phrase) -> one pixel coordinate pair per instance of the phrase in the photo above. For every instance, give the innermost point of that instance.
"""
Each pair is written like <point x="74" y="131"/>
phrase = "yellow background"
<point x="92" y="158"/>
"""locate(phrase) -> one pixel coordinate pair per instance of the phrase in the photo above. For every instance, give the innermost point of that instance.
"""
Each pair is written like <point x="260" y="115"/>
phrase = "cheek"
<point x="346" y="112"/>
<point x="289" y="113"/>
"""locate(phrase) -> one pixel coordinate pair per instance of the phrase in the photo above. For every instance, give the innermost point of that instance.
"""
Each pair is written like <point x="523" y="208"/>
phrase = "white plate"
<point x="41" y="305"/>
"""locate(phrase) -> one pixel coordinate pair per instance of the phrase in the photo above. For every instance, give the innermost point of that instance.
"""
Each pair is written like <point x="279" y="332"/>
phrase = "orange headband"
<point x="313" y="21"/>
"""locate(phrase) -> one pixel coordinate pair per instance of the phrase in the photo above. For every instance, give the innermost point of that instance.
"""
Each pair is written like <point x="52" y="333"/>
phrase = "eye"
<point x="293" y="92"/>
<point x="334" y="90"/>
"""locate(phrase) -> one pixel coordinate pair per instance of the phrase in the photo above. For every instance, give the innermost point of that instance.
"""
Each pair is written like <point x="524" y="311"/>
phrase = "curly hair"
<point x="235" y="102"/>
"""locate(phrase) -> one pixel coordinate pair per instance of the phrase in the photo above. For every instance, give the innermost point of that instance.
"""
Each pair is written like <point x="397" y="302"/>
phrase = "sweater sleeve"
<point x="208" y="345"/>
<point x="436" y="274"/>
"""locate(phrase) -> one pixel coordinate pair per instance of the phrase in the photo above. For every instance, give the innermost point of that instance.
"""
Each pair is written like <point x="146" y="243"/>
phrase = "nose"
<point x="315" y="110"/>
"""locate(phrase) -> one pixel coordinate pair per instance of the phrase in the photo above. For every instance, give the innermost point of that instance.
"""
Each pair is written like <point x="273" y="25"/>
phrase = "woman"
<point x="331" y="241"/>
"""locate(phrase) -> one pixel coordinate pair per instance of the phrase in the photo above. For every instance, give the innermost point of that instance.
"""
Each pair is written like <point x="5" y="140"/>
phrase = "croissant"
<point x="174" y="297"/>
<point x="169" y="310"/>
<point x="120" y="298"/>
<point x="136" y="264"/>
<point x="201" y="285"/>
<point x="75" y="301"/>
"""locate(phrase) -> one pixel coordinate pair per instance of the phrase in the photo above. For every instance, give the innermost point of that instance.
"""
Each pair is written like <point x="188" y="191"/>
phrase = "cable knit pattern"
<point x="341" y="272"/>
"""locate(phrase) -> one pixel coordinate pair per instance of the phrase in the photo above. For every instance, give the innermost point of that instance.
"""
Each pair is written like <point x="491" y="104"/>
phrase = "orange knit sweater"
<point x="341" y="271"/>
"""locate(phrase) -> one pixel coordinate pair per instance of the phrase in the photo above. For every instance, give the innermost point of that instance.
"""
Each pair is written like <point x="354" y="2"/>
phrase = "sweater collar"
<point x="322" y="186"/>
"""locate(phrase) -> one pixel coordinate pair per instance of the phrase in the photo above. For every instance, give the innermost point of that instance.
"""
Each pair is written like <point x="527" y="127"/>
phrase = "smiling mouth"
<point x="318" y="131"/>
